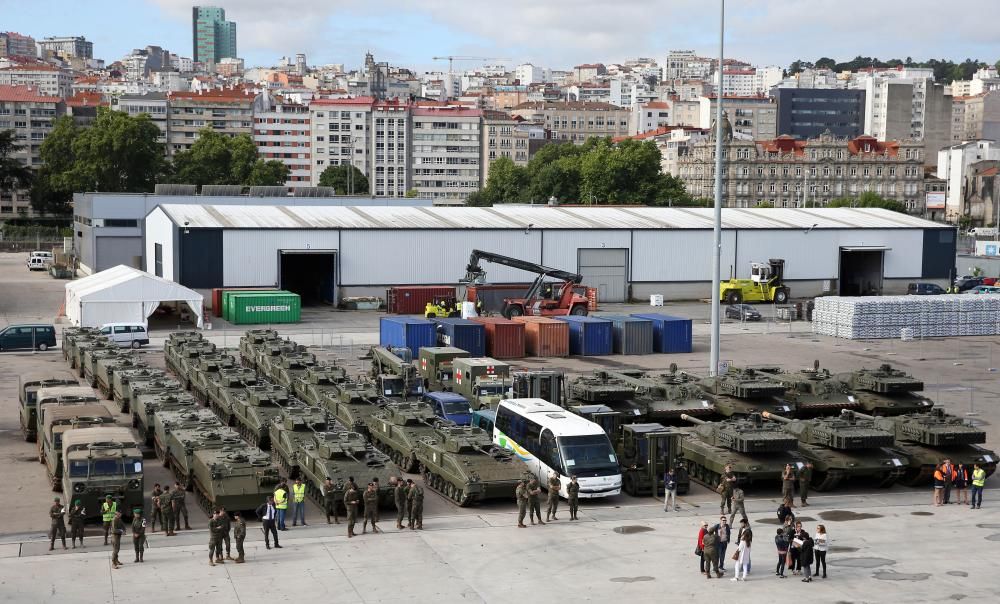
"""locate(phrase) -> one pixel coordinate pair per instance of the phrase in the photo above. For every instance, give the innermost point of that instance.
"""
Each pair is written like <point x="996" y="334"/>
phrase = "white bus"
<point x="548" y="438"/>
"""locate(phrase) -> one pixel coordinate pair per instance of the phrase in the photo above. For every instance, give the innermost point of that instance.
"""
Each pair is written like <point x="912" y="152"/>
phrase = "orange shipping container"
<point x="504" y="338"/>
<point x="545" y="337"/>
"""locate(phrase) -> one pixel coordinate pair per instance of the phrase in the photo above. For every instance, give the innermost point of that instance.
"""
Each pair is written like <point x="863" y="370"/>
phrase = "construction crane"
<point x="452" y="58"/>
<point x="541" y="299"/>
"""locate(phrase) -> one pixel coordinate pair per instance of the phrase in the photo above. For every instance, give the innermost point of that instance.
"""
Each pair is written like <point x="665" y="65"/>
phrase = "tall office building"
<point x="214" y="38"/>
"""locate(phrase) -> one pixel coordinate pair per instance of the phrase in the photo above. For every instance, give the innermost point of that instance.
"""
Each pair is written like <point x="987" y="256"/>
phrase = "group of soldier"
<point x="407" y="496"/>
<point x="732" y="496"/>
<point x="168" y="507"/>
<point x="528" y="495"/>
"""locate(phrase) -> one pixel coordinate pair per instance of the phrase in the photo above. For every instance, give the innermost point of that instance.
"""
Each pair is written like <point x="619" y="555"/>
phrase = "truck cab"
<point x="450" y="406"/>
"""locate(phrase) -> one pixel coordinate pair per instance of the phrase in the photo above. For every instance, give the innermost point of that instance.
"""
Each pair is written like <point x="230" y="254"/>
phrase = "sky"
<point x="551" y="33"/>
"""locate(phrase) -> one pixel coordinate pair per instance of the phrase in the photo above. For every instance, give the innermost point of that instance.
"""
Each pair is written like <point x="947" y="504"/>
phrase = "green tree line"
<point x="945" y="71"/>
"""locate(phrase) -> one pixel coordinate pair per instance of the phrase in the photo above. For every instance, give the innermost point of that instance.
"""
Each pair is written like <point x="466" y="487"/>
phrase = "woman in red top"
<point x="701" y="538"/>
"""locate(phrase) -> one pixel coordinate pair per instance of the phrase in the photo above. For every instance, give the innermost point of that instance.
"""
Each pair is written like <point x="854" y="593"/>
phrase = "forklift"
<point x="543" y="299"/>
<point x="766" y="284"/>
<point x="443" y="306"/>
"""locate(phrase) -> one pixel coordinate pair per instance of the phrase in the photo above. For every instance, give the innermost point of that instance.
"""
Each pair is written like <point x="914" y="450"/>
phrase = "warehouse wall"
<point x="560" y="249"/>
<point x="251" y="255"/>
<point x="160" y="229"/>
<point x="681" y="255"/>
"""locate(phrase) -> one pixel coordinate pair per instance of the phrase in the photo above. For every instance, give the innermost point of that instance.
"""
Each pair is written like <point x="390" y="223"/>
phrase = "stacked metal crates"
<point x="861" y="318"/>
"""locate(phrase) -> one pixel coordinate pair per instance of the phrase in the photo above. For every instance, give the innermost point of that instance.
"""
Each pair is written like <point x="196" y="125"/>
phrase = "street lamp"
<point x="713" y="368"/>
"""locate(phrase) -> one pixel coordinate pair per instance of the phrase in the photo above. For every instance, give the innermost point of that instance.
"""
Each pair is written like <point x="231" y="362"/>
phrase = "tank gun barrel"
<point x="777" y="418"/>
<point x="856" y="414"/>
<point x="693" y="420"/>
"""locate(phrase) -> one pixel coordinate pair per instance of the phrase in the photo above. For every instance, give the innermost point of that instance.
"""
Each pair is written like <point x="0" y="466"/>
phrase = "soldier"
<point x="726" y="485"/>
<point x="371" y="504"/>
<point x="399" y="497"/>
<point x="739" y="502"/>
<point x="77" y="517"/>
<point x="227" y="527"/>
<point x="215" y="539"/>
<point x="378" y="489"/>
<point x="521" y="494"/>
<point x="534" y="506"/>
<point x="167" y="506"/>
<point x="178" y="500"/>
<point x="108" y="509"/>
<point x="117" y="530"/>
<point x="416" y="498"/>
<point x="351" y="498"/>
<point x="239" y="533"/>
<point x="805" y="477"/>
<point x="552" y="501"/>
<point x="710" y="553"/>
<point x="788" y="483"/>
<point x="573" y="496"/>
<point x="156" y="514"/>
<point x="330" y="500"/>
<point x="57" y="515"/>
<point x="138" y="534"/>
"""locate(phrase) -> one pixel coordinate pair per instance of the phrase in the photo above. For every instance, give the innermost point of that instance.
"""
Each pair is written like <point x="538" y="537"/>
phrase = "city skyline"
<point x="551" y="35"/>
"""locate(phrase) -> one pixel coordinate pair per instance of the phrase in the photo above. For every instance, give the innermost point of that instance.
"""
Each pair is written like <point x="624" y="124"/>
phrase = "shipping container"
<point x="407" y="332"/>
<point x="589" y="336"/>
<point x="670" y="334"/>
<point x="461" y="333"/>
<point x="413" y="299"/>
<point x="545" y="337"/>
<point x="217" y="305"/>
<point x="228" y="292"/>
<point x="630" y="335"/>
<point x="504" y="338"/>
<point x="264" y="308"/>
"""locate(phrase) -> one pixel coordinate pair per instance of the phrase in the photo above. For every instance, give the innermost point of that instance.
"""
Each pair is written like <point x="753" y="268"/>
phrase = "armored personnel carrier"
<point x="72" y="335"/>
<point x="398" y="427"/>
<point x="83" y="345"/>
<point x="265" y="354"/>
<point x="183" y="362"/>
<point x="106" y="368"/>
<point x="292" y="427"/>
<point x="236" y="476"/>
<point x="745" y="391"/>
<point x="148" y="405"/>
<point x="251" y="341"/>
<point x="319" y="384"/>
<point x="757" y="451"/>
<point x="136" y="388"/>
<point x="926" y="439"/>
<point x="813" y="392"/>
<point x="185" y="437"/>
<point x="290" y="368"/>
<point x="204" y="374"/>
<point x="28" y="398"/>
<point x="230" y="384"/>
<point x="355" y="402"/>
<point x="177" y="339"/>
<point x="101" y="461"/>
<point x="122" y="379"/>
<point x="58" y="419"/>
<point x="887" y="391"/>
<point x="463" y="464"/>
<point x="845" y="447"/>
<point x="92" y="355"/>
<point x="254" y="411"/>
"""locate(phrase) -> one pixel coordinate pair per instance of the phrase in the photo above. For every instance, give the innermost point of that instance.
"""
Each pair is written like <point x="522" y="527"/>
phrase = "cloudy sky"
<point x="553" y="33"/>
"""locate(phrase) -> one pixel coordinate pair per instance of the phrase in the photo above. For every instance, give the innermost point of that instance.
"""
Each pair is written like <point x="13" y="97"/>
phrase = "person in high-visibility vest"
<point x="978" y="482"/>
<point x="108" y="509"/>
<point x="281" y="504"/>
<point x="299" y="497"/>
<point x="938" y="485"/>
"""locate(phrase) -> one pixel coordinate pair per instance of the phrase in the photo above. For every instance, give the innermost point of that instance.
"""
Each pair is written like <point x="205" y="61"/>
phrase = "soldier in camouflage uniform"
<point x="239" y="533"/>
<point x="552" y="501"/>
<point x="351" y="500"/>
<point x="521" y="494"/>
<point x="370" y="498"/>
<point x="330" y="492"/>
<point x="138" y="534"/>
<point x="57" y="516"/>
<point x="169" y="518"/>
<point x="415" y="496"/>
<point x="77" y="517"/>
<point x="227" y="527"/>
<point x="534" y="506"/>
<point x="117" y="529"/>
<point x="180" y="505"/>
<point x="573" y="495"/>
<point x="399" y="497"/>
<point x="215" y="539"/>
<point x="156" y="513"/>
<point x="805" y="478"/>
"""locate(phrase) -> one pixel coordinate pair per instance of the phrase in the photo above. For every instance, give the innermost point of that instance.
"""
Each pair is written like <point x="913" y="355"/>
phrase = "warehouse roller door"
<point x="606" y="270"/>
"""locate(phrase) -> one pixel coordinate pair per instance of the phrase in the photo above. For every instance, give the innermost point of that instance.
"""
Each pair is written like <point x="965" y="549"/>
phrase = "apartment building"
<point x="752" y="117"/>
<point x="341" y="133"/>
<point x="790" y="173"/>
<point x="576" y="121"/>
<point x="901" y="105"/>
<point x="686" y="65"/>
<point x="227" y="111"/>
<point x="390" y="139"/>
<point x="445" y="151"/>
<point x="153" y="104"/>
<point x="30" y="114"/>
<point x="503" y="138"/>
<point x="685" y="113"/>
<point x="48" y="79"/>
<point x="67" y="47"/>
<point x="953" y="166"/>
<point x="650" y="116"/>
<point x="13" y="44"/>
<point x="281" y="132"/>
<point x="809" y="112"/>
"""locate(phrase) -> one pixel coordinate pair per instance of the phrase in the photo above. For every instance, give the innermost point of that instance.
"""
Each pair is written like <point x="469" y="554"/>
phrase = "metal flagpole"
<point x="713" y="368"/>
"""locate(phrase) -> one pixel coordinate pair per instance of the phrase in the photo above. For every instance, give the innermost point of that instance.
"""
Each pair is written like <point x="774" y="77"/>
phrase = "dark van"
<point x="16" y="337"/>
<point x="925" y="289"/>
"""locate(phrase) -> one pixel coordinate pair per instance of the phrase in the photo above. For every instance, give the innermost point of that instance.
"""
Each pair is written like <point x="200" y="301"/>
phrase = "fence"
<point x="29" y="245"/>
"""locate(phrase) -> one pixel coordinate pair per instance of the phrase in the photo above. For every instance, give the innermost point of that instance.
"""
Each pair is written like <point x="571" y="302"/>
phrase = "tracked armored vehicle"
<point x="72" y="335"/>
<point x="122" y="379"/>
<point x="149" y="404"/>
<point x="237" y="476"/>
<point x="204" y="374"/>
<point x="251" y="341"/>
<point x="186" y="359"/>
<point x="185" y="436"/>
<point x="177" y="339"/>
<point x="28" y="398"/>
<point x="136" y="388"/>
<point x="887" y="391"/>
<point x="813" y="392"/>
<point x="268" y="353"/>
<point x="254" y="411"/>
<point x="230" y="385"/>
<point x="398" y="427"/>
<point x="92" y="355"/>
<point x="287" y="371"/>
<point x="83" y="345"/>
<point x="319" y="385"/>
<point x="744" y="392"/>
<point x="106" y="369"/>
<point x="293" y="427"/>
<point x="355" y="402"/>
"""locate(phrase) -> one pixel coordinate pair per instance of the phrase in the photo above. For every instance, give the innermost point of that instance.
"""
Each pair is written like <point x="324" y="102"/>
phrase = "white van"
<point x="38" y="263"/>
<point x="126" y="334"/>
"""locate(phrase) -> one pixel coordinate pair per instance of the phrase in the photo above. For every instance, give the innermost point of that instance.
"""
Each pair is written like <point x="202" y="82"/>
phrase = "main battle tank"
<point x="136" y="388"/>
<point x="396" y="429"/>
<point x="757" y="451"/>
<point x="230" y="384"/>
<point x="355" y="402"/>
<point x="105" y="370"/>
<point x="168" y="421"/>
<point x="745" y="391"/>
<point x="254" y="411"/>
<point x="205" y="373"/>
<point x="319" y="384"/>
<point x="665" y="397"/>
<point x="845" y="447"/>
<point x="253" y="339"/>
<point x="148" y="405"/>
<point x="813" y="392"/>
<point x="290" y="368"/>
<point x="119" y="387"/>
<point x="238" y="477"/>
<point x="927" y="439"/>
<point x="463" y="464"/>
<point x="887" y="391"/>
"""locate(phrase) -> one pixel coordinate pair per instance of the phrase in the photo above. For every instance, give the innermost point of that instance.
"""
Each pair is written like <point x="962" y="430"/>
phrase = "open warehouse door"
<point x="312" y="274"/>
<point x="862" y="270"/>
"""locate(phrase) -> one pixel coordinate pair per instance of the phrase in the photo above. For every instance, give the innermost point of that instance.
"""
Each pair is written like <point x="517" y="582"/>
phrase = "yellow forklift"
<point x="766" y="284"/>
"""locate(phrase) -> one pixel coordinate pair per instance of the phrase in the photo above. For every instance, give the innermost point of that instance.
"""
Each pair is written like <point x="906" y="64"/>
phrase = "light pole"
<point x="713" y="368"/>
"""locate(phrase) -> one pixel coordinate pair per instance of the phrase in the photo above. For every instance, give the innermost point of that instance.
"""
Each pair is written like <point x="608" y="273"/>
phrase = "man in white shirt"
<point x="268" y="515"/>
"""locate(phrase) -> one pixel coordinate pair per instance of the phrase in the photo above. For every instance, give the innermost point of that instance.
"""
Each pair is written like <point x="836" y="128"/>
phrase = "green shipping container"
<point x="265" y="308"/>
<point x="227" y="310"/>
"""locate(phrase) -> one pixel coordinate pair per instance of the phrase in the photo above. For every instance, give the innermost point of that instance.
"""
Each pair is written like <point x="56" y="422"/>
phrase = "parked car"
<point x="126" y="334"/>
<point x="742" y="312"/>
<point x="989" y="280"/>
<point x="20" y="337"/>
<point x="39" y="263"/>
<point x="450" y="406"/>
<point x="984" y="289"/>
<point x="967" y="283"/>
<point x="924" y="289"/>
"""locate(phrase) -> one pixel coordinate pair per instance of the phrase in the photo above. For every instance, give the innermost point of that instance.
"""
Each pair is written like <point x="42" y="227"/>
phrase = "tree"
<point x="216" y="159"/>
<point x="13" y="173"/>
<point x="118" y="153"/>
<point x="270" y="173"/>
<point x="868" y="199"/>
<point x="52" y="190"/>
<point x="764" y="204"/>
<point x="46" y="197"/>
<point x="411" y="193"/>
<point x="507" y="182"/>
<point x="825" y="63"/>
<point x="337" y="177"/>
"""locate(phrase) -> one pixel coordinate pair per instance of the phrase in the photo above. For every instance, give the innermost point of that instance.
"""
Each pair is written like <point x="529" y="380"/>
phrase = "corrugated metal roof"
<point x="539" y="217"/>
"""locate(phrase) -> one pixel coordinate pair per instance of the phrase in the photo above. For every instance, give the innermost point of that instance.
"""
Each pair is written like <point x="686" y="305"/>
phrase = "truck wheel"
<point x="513" y="311"/>
<point x="781" y="296"/>
<point x="579" y="310"/>
<point x="733" y="297"/>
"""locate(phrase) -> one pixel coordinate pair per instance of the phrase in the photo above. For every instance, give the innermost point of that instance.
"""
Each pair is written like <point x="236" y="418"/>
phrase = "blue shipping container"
<point x="462" y="333"/>
<point x="408" y="332"/>
<point x="630" y="334"/>
<point x="670" y="334"/>
<point x="588" y="336"/>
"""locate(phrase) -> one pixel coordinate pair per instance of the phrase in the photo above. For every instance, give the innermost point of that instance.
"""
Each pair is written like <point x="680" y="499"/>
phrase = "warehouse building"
<point x="327" y="253"/>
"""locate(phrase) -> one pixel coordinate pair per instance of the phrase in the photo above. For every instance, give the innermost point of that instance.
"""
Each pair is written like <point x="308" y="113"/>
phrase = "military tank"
<point x="743" y="391"/>
<point x="291" y="367"/>
<point x="813" y="392"/>
<point x="756" y="450"/>
<point x="887" y="391"/>
<point x="148" y="405"/>
<point x="187" y="358"/>
<point x="72" y="335"/>
<point x="251" y="341"/>
<point x="290" y="428"/>
<point x="180" y="418"/>
<point x="927" y="439"/>
<point x="122" y="379"/>
<point x="205" y="373"/>
<point x="319" y="384"/>
<point x="254" y="410"/>
<point x="178" y="339"/>
<point x="396" y="429"/>
<point x="84" y="345"/>
<point x="229" y="385"/>
<point x="355" y="402"/>
<point x="845" y="447"/>
<point x="238" y="477"/>
<point x="659" y="398"/>
<point x="269" y="352"/>
<point x="136" y="388"/>
<point x="463" y="464"/>
<point x="105" y="370"/>
<point x="92" y="355"/>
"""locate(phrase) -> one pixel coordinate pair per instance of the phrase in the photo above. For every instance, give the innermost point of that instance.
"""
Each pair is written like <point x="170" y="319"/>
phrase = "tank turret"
<point x="750" y="435"/>
<point x="934" y="428"/>
<point x="845" y="432"/>
<point x="887" y="391"/>
<point x="745" y="391"/>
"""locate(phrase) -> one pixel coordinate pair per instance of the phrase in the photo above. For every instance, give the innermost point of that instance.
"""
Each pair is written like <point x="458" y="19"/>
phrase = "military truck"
<point x="436" y="366"/>
<point x="251" y="341"/>
<point x="744" y="391"/>
<point x="101" y="461"/>
<point x="122" y="379"/>
<point x="136" y="388"/>
<point x="319" y="384"/>
<point x="482" y="380"/>
<point x="205" y="373"/>
<point x="254" y="411"/>
<point x="355" y="402"/>
<point x="290" y="368"/>
<point x="149" y="404"/>
<point x="61" y="395"/>
<point x="84" y="344"/>
<point x="230" y="385"/>
<point x="396" y="429"/>
<point x="845" y="447"/>
<point x="394" y="377"/>
<point x="926" y="439"/>
<point x="756" y="450"/>
<point x="58" y="418"/>
<point x="645" y="452"/>
<point x="813" y="392"/>
<point x="183" y="360"/>
<point x="28" y="397"/>
<point x="106" y="368"/>
<point x="463" y="464"/>
<point x="238" y="477"/>
<point x="887" y="391"/>
<point x="72" y="335"/>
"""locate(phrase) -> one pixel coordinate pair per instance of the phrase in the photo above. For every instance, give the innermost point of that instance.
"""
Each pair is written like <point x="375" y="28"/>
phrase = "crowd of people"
<point x="950" y="477"/>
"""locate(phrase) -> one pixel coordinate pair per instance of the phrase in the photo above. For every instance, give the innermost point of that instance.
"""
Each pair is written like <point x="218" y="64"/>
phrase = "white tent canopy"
<point x="124" y="295"/>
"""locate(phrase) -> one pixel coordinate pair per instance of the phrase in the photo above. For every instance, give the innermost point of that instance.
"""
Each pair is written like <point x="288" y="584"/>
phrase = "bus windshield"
<point x="588" y="455"/>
